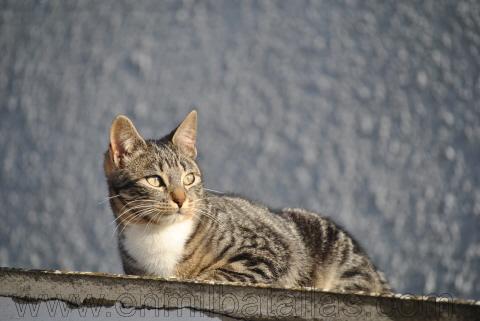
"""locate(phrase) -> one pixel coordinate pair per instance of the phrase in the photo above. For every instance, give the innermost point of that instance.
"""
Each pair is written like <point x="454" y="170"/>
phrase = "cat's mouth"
<point x="162" y="217"/>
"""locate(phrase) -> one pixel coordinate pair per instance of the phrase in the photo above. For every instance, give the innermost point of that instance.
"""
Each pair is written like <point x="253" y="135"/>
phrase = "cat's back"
<point x="244" y="213"/>
<point x="240" y="210"/>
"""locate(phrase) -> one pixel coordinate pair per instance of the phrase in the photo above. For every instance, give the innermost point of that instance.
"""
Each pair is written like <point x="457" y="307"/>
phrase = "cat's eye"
<point x="189" y="179"/>
<point x="155" y="181"/>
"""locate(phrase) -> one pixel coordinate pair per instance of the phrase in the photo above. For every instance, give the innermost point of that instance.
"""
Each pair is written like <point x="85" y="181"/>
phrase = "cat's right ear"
<point x="124" y="139"/>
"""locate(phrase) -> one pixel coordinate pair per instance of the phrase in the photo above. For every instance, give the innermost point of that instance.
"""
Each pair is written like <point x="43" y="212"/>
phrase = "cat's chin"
<point x="170" y="218"/>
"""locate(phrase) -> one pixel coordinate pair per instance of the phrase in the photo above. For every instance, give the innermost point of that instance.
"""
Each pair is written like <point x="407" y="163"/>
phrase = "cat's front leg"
<point x="229" y="275"/>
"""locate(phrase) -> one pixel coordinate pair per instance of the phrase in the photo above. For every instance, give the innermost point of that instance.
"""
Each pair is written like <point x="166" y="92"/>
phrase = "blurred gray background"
<point x="366" y="111"/>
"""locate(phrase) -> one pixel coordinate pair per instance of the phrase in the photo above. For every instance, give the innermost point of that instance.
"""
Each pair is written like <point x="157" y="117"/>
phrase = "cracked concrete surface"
<point x="64" y="294"/>
<point x="365" y="111"/>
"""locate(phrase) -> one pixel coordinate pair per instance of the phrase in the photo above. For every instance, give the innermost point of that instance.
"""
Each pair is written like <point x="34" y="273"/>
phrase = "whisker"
<point x="126" y="223"/>
<point x="136" y="210"/>
<point x="212" y="190"/>
<point x="138" y="201"/>
<point x="208" y="215"/>
<point x="157" y="203"/>
<point x="130" y="209"/>
<point x="129" y="203"/>
<point x="107" y="199"/>
<point x="116" y="228"/>
<point x="205" y="218"/>
<point x="142" y="211"/>
<point x="149" y="221"/>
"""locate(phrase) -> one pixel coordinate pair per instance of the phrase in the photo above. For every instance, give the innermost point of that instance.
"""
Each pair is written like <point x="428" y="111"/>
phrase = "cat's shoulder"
<point x="233" y="198"/>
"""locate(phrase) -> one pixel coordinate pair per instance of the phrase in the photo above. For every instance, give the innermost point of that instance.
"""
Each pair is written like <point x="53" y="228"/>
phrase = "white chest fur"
<point x="159" y="248"/>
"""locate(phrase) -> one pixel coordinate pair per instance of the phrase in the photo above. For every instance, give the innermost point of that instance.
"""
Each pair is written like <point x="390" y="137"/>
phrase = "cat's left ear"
<point x="185" y="136"/>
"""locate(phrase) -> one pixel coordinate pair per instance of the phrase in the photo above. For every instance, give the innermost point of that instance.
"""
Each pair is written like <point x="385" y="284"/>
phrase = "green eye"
<point x="189" y="179"/>
<point x="155" y="181"/>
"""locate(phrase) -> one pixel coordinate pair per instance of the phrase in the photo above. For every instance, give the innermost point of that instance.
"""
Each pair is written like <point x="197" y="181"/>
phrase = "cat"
<point x="169" y="225"/>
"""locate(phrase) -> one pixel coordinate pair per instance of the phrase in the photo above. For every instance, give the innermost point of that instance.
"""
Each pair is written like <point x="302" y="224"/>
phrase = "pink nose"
<point x="178" y="196"/>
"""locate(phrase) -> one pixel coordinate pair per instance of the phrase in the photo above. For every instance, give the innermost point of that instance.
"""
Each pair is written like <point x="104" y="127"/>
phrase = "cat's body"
<point x="208" y="236"/>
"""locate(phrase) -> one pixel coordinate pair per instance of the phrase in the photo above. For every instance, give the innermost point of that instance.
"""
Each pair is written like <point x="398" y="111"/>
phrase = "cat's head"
<point x="153" y="181"/>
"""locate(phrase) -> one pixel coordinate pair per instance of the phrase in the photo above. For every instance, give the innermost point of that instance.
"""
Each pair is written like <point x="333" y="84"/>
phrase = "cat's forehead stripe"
<point x="158" y="166"/>
<point x="184" y="165"/>
<point x="167" y="156"/>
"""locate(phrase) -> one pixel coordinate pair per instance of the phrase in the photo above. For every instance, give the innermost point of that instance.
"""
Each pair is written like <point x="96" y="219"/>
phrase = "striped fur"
<point x="207" y="236"/>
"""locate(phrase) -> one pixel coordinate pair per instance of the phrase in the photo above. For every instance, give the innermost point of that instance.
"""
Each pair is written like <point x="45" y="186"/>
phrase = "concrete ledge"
<point x="240" y="301"/>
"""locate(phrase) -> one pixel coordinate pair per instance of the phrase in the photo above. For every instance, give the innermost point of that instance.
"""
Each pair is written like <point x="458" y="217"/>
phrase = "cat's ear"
<point x="185" y="136"/>
<point x="124" y="139"/>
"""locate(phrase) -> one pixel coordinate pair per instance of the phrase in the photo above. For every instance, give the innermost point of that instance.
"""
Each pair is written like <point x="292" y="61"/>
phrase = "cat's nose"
<point x="178" y="196"/>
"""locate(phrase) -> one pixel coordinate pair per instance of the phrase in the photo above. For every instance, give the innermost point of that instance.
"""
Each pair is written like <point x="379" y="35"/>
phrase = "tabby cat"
<point x="169" y="225"/>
